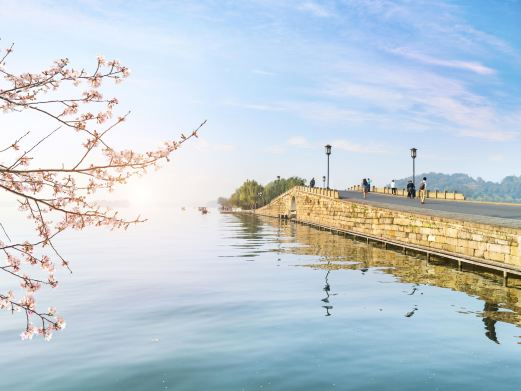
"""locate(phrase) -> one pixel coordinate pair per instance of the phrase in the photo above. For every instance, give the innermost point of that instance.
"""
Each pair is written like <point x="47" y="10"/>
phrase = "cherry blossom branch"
<point x="59" y="197"/>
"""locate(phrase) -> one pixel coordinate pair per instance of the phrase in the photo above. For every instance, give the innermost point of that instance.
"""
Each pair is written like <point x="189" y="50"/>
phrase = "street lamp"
<point x="324" y="181"/>
<point x="259" y="195"/>
<point x="328" y="152"/>
<point x="413" y="155"/>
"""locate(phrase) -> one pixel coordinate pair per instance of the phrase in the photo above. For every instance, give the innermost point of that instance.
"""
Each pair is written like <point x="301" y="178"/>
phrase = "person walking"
<point x="423" y="190"/>
<point x="393" y="187"/>
<point x="312" y="182"/>
<point x="365" y="187"/>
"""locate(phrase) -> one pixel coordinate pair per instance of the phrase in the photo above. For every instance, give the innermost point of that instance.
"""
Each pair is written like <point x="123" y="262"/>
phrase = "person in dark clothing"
<point x="312" y="182"/>
<point x="411" y="191"/>
<point x="365" y="187"/>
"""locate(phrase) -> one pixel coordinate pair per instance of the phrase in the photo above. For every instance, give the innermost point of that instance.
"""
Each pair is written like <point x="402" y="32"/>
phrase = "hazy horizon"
<point x="278" y="80"/>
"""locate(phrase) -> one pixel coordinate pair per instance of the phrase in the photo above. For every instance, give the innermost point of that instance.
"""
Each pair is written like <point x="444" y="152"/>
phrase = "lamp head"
<point x="328" y="149"/>
<point x="413" y="153"/>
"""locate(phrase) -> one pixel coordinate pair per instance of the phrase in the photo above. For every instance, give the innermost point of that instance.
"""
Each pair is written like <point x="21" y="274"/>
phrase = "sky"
<point x="279" y="79"/>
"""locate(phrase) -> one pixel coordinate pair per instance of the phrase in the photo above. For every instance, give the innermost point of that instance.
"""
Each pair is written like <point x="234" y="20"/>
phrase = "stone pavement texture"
<point x="495" y="214"/>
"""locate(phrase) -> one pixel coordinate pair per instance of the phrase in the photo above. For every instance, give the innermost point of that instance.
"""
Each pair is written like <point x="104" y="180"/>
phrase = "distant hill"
<point x="508" y="190"/>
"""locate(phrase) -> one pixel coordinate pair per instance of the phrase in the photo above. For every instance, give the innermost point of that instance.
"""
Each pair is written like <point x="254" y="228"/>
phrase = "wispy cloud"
<point x="456" y="64"/>
<point x="402" y="98"/>
<point x="204" y="145"/>
<point x="315" y="9"/>
<point x="259" y="106"/>
<point x="275" y="149"/>
<point x="497" y="157"/>
<point x="341" y="144"/>
<point x="488" y="134"/>
<point x="349" y="146"/>
<point x="263" y="72"/>
<point x="300" y="142"/>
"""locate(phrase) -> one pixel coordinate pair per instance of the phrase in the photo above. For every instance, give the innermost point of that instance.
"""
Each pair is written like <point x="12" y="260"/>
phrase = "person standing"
<point x="312" y="182"/>
<point x="423" y="190"/>
<point x="393" y="187"/>
<point x="365" y="187"/>
<point x="410" y="190"/>
<point x="369" y="181"/>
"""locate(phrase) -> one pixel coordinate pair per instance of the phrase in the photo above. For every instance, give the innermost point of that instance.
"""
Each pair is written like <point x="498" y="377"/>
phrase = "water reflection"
<point x="252" y="237"/>
<point x="490" y="323"/>
<point x="256" y="237"/>
<point x="327" y="289"/>
<point x="336" y="252"/>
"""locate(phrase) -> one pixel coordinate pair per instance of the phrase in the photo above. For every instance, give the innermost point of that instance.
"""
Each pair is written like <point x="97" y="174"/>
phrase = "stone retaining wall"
<point x="320" y="206"/>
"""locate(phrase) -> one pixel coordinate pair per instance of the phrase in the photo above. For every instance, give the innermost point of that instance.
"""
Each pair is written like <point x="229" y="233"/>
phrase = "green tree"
<point x="224" y="202"/>
<point x="253" y="195"/>
<point x="277" y="187"/>
<point x="248" y="196"/>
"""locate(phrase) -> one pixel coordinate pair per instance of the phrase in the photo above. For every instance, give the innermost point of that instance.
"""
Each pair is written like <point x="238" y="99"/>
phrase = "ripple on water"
<point x="314" y="311"/>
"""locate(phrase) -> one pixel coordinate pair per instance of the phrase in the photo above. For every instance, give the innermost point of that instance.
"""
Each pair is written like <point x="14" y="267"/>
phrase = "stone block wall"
<point x="467" y="238"/>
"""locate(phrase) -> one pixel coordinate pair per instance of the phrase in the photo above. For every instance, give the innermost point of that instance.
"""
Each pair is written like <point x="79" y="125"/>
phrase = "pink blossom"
<point x="59" y="197"/>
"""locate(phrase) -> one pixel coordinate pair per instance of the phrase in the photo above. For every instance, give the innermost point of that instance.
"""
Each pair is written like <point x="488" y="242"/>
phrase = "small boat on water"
<point x="203" y="210"/>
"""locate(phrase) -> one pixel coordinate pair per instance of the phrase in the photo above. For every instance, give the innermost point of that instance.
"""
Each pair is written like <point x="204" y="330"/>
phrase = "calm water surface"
<point x="223" y="302"/>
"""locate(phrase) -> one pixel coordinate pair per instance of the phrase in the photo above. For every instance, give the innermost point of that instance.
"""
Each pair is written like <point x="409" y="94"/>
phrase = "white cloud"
<point x="399" y="98"/>
<point x="315" y="9"/>
<point x="275" y="150"/>
<point x="491" y="134"/>
<point x="456" y="64"/>
<point x="350" y="146"/>
<point x="498" y="157"/>
<point x="263" y="72"/>
<point x="300" y="142"/>
<point x="204" y="145"/>
<point x="442" y="22"/>
<point x="256" y="106"/>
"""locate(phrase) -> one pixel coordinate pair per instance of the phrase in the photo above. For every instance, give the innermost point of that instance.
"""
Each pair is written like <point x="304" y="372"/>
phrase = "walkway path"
<point x="465" y="207"/>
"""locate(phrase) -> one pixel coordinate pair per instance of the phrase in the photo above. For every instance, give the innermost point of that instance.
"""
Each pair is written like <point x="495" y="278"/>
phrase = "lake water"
<point x="224" y="302"/>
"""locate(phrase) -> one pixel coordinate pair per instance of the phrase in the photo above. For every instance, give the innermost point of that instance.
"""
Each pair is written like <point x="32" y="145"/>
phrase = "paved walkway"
<point x="511" y="212"/>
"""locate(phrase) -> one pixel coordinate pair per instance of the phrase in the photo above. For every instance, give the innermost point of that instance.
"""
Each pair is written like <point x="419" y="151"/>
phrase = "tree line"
<point x="252" y="195"/>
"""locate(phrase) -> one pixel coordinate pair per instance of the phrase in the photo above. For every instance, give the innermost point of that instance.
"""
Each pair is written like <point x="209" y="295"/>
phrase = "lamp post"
<point x="328" y="153"/>
<point x="259" y="195"/>
<point x="413" y="155"/>
<point x="277" y="194"/>
<point x="324" y="181"/>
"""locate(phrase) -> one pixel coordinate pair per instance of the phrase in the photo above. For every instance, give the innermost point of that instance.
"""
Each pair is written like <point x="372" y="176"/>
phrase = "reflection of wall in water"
<point x="483" y="238"/>
<point x="408" y="269"/>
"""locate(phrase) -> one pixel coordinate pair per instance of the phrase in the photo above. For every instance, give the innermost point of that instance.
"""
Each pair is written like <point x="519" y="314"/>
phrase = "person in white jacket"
<point x="423" y="190"/>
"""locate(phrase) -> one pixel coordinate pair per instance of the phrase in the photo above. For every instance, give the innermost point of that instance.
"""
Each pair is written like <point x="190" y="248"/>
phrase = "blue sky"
<point x="277" y="80"/>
